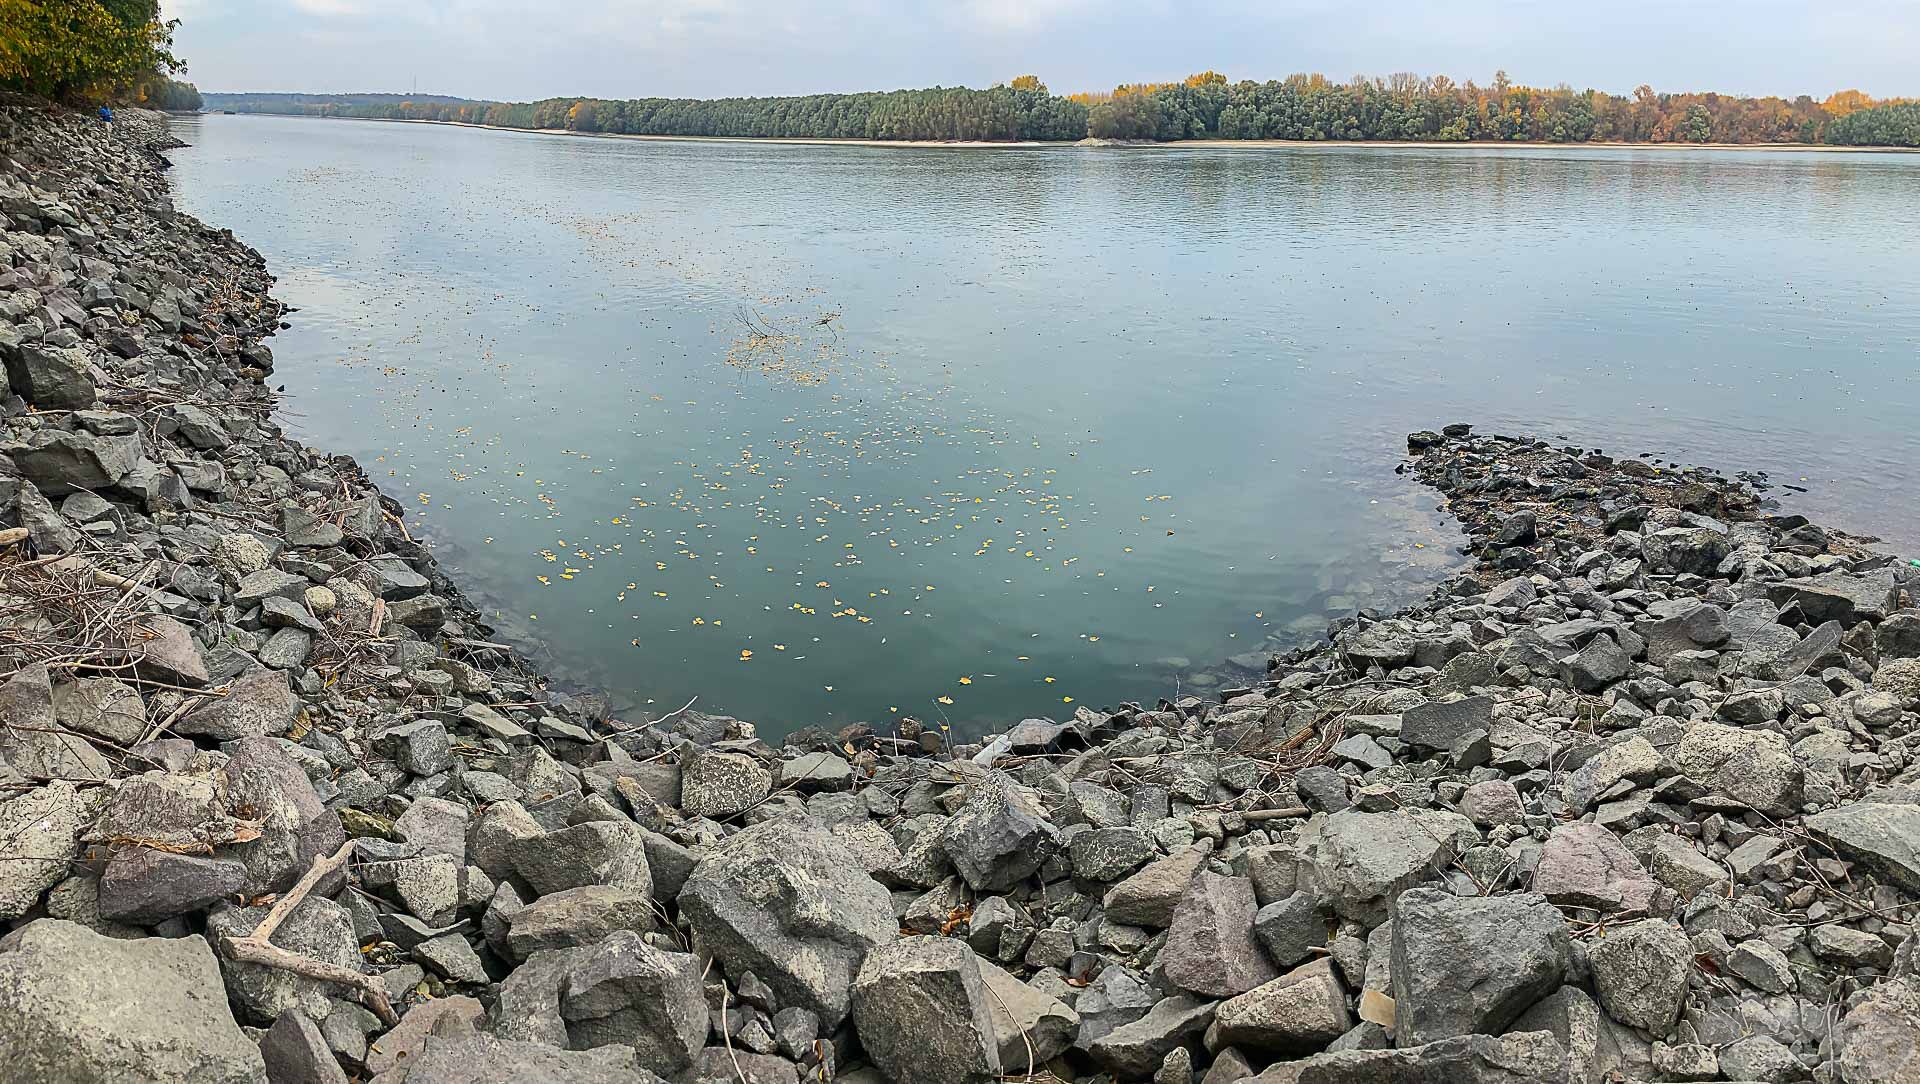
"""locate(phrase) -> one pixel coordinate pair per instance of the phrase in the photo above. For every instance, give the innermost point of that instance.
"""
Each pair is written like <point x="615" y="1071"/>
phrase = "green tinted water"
<point x="825" y="434"/>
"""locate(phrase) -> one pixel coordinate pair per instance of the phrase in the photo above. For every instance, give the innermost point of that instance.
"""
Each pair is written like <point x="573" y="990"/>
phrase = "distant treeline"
<point x="998" y="114"/>
<point x="1204" y="106"/>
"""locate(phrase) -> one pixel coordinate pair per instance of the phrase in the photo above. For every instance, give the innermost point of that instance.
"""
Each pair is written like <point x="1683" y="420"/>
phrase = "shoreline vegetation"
<point x="1630" y="798"/>
<point x="1205" y="107"/>
<point x="1145" y="144"/>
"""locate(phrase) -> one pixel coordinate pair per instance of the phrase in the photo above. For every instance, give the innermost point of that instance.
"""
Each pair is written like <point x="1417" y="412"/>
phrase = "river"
<point x="824" y="434"/>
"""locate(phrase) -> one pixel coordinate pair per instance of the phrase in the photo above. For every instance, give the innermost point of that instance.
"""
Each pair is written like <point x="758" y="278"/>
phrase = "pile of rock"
<point x="1633" y="799"/>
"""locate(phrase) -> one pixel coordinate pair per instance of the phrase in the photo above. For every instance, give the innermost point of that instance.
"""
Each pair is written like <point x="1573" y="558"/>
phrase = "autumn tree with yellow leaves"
<point x="75" y="49"/>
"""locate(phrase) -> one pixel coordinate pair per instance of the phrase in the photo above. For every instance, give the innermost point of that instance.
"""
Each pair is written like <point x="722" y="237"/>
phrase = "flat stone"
<point x="1136" y="1049"/>
<point x="80" y="1006"/>
<point x="1885" y="838"/>
<point x="256" y="704"/>
<point x="144" y="886"/>
<point x="723" y="784"/>
<point x="101" y="707"/>
<point x="1148" y="898"/>
<point x="1360" y="861"/>
<point x="1439" y="725"/>
<point x="578" y="916"/>
<point x="1520" y="1058"/>
<point x="1024" y="1018"/>
<point x="1586" y="865"/>
<point x="1296" y="1013"/>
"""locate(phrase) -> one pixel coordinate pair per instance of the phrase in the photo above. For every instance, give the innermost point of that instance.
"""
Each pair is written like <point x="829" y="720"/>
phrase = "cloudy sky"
<point x="704" y="48"/>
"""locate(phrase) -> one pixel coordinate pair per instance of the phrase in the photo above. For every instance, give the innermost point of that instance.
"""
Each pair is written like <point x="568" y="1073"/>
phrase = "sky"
<point x="520" y="51"/>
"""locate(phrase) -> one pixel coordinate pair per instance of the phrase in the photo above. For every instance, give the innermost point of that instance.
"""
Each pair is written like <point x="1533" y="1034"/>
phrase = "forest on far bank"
<point x="1203" y="106"/>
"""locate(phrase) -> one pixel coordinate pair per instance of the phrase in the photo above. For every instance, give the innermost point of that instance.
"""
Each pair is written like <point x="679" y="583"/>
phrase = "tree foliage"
<point x="1202" y="106"/>
<point x="83" y="48"/>
<point x="1002" y="114"/>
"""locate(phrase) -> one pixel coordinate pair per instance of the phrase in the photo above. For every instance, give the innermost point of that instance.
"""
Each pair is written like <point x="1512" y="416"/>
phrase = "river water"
<point x="834" y="434"/>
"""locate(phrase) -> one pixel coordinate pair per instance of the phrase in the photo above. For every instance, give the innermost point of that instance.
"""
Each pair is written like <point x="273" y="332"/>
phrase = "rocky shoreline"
<point x="1633" y="798"/>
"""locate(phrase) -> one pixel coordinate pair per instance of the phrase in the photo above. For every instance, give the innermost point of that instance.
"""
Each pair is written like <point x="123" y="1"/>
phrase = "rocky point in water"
<point x="1633" y="798"/>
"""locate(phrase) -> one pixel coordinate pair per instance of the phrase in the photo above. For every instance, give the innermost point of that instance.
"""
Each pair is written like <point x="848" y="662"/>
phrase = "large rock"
<point x="578" y="916"/>
<point x="1026" y="1019"/>
<point x="1360" y="861"/>
<point x="60" y="462"/>
<point x="920" y="1008"/>
<point x="626" y="992"/>
<point x="1641" y="973"/>
<point x="1519" y="1058"/>
<point x="1470" y="965"/>
<point x="1755" y="767"/>
<point x="32" y="741"/>
<point x="1000" y="837"/>
<point x="39" y="837"/>
<point x="1210" y="947"/>
<point x="1299" y="1012"/>
<point x="723" y="784"/>
<point x="266" y="785"/>
<point x="594" y="853"/>
<point x="1883" y="837"/>
<point x="1698" y="550"/>
<point x="1135" y="1050"/>
<point x="144" y="886"/>
<point x="1839" y="596"/>
<point x="101" y="707"/>
<point x="259" y="703"/>
<point x="1878" y="1040"/>
<point x="1148" y="898"/>
<point x="79" y="1007"/>
<point x="1440" y="725"/>
<point x="780" y="900"/>
<point x="1586" y="865"/>
<point x="52" y="378"/>
<point x="1576" y="1023"/>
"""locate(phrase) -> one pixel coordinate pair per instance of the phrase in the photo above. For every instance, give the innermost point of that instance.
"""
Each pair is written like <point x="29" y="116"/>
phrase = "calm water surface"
<point x="824" y="434"/>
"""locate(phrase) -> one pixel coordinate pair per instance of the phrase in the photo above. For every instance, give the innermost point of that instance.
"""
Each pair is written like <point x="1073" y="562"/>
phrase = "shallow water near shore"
<point x="826" y="434"/>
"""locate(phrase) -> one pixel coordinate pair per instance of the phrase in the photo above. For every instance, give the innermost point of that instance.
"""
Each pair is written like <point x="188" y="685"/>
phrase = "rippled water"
<point x="824" y="434"/>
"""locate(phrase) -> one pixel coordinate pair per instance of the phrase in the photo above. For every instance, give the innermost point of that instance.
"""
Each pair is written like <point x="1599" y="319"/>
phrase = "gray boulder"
<point x="297" y="1053"/>
<point x="1025" y="1019"/>
<point x="144" y="886"/>
<point x="1137" y="1049"/>
<point x="920" y="1008"/>
<point x="626" y="992"/>
<point x="90" y="1009"/>
<point x="780" y="899"/>
<point x="42" y="829"/>
<point x="483" y="1059"/>
<point x="578" y="916"/>
<point x="1000" y="837"/>
<point x="1751" y="766"/>
<point x="52" y="378"/>
<point x="60" y="462"/>
<point x="295" y="827"/>
<point x="722" y="784"/>
<point x="259" y="703"/>
<point x="1360" y="861"/>
<point x="1470" y="965"/>
<point x="1878" y="1040"/>
<point x="1298" y="1012"/>
<point x="1148" y="898"/>
<point x="1883" y="837"/>
<point x="1641" y="973"/>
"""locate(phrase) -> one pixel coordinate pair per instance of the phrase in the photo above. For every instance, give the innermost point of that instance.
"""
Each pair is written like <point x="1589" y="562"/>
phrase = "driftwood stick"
<point x="1274" y="814"/>
<point x="12" y="536"/>
<point x="256" y="948"/>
